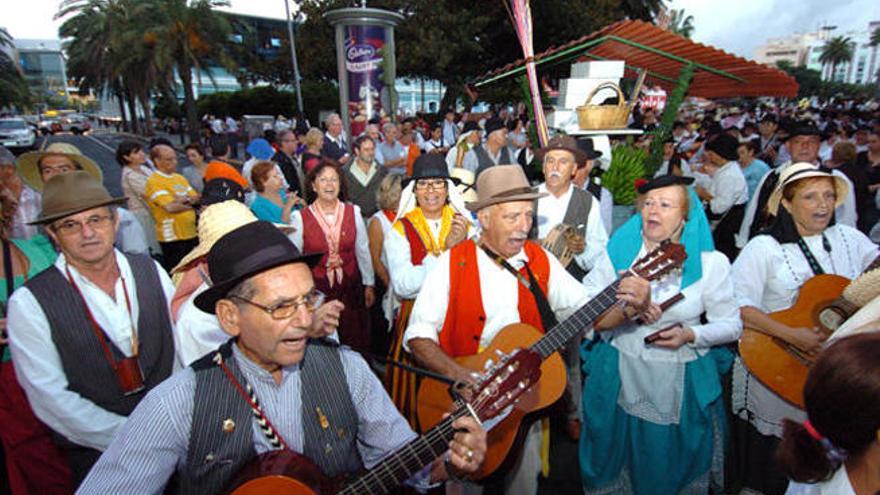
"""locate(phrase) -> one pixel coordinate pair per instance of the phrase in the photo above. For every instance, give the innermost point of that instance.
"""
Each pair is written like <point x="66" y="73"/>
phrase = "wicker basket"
<point x="593" y="117"/>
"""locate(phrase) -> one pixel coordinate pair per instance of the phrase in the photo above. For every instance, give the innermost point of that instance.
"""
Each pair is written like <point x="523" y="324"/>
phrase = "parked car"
<point x="16" y="134"/>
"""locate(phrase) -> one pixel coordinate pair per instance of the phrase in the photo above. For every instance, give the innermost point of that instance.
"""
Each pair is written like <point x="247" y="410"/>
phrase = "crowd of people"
<point x="161" y="340"/>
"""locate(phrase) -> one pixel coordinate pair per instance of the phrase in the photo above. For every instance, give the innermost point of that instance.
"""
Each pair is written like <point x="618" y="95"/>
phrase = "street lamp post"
<point x="299" y="100"/>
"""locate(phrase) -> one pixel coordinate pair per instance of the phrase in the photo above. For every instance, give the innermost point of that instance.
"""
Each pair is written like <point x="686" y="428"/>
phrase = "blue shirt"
<point x="267" y="210"/>
<point x="753" y="174"/>
<point x="154" y="441"/>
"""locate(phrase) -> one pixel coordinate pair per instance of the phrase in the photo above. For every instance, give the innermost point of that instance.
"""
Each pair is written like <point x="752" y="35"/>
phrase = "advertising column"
<point x="366" y="64"/>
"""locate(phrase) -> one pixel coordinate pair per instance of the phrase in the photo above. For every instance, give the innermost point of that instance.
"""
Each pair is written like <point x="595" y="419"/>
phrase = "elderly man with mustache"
<point x="480" y="286"/>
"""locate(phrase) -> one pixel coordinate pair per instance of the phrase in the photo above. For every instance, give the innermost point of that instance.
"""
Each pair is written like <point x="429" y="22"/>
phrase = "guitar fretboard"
<point x="398" y="467"/>
<point x="585" y="317"/>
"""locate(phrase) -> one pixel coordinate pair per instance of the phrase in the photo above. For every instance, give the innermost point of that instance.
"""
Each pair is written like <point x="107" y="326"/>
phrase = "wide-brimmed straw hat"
<point x="215" y="221"/>
<point x="803" y="170"/>
<point x="29" y="169"/>
<point x="70" y="193"/>
<point x="465" y="183"/>
<point x="502" y="184"/>
<point x="245" y="252"/>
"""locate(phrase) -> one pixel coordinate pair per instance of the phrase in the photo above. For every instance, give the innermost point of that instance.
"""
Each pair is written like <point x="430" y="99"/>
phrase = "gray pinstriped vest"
<point x="214" y="458"/>
<point x="484" y="161"/>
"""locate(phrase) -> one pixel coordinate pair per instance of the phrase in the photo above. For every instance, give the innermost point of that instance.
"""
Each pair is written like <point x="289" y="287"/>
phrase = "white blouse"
<point x="768" y="276"/>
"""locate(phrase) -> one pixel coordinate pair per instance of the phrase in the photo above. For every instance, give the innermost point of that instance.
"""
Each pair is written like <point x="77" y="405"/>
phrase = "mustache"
<point x="519" y="237"/>
<point x="554" y="174"/>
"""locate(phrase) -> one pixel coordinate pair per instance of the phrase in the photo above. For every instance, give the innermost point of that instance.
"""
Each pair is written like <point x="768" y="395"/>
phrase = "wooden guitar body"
<point x="280" y="472"/>
<point x="774" y="363"/>
<point x="434" y="400"/>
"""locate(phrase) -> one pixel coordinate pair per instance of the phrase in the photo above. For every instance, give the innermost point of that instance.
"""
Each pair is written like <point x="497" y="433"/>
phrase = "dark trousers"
<point x="174" y="251"/>
<point x="725" y="232"/>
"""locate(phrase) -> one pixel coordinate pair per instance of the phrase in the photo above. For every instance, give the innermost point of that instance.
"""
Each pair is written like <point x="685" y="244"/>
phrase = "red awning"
<point x="663" y="54"/>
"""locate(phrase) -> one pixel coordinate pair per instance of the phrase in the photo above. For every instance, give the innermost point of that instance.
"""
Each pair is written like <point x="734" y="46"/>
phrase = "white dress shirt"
<point x="838" y="484"/>
<point x="362" y="243"/>
<point x="196" y="333"/>
<point x="728" y="188"/>
<point x="499" y="292"/>
<point x="551" y="212"/>
<point x="38" y="365"/>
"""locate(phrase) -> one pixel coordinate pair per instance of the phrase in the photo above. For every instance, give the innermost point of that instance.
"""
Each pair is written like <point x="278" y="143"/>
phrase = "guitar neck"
<point x="583" y="318"/>
<point x="398" y="467"/>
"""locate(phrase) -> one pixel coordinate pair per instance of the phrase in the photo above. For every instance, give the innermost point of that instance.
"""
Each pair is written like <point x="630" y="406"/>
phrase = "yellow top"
<point x="417" y="218"/>
<point x="161" y="190"/>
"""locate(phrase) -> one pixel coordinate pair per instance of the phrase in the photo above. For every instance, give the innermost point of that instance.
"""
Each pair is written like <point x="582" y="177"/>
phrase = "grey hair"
<point x="246" y="289"/>
<point x="6" y="156"/>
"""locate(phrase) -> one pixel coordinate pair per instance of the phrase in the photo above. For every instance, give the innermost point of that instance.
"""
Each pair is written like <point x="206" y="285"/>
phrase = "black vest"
<point x="214" y="458"/>
<point x="576" y="215"/>
<point x="361" y="195"/>
<point x="484" y="161"/>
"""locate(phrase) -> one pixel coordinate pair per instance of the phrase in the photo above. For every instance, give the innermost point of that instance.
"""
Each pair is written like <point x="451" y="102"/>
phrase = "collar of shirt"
<point x="339" y="140"/>
<point x="551" y="210"/>
<point x="361" y="176"/>
<point x="110" y="313"/>
<point x="254" y="372"/>
<point x="163" y="174"/>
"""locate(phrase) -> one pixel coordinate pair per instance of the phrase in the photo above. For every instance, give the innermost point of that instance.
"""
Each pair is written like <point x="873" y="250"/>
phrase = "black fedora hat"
<point x="430" y="166"/>
<point x="802" y="128"/>
<point x="244" y="252"/>
<point x="665" y="181"/>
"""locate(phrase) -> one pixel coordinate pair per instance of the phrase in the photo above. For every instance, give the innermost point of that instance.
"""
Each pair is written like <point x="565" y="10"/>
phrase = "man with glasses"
<point x="285" y="157"/>
<point x="270" y="388"/>
<point x="91" y="334"/>
<point x="171" y="200"/>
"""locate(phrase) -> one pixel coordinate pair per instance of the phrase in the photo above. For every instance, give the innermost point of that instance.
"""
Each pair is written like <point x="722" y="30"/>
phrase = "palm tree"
<point x="680" y="24"/>
<point x="13" y="87"/>
<point x="191" y="34"/>
<point x="837" y="50"/>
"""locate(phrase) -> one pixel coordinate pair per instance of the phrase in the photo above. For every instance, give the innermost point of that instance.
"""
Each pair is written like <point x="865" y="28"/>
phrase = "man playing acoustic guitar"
<point x="489" y="280"/>
<point x="270" y="389"/>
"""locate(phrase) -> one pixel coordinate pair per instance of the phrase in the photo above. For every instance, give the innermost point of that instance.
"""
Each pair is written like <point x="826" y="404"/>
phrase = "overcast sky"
<point x="737" y="26"/>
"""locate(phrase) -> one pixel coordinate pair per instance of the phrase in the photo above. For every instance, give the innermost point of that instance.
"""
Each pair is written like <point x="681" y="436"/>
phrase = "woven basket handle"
<point x="620" y="99"/>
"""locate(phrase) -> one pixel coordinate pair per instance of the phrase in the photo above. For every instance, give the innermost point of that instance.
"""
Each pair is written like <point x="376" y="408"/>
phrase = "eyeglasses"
<point x="663" y="204"/>
<point x="285" y="310"/>
<point x="70" y="227"/>
<point x="436" y="184"/>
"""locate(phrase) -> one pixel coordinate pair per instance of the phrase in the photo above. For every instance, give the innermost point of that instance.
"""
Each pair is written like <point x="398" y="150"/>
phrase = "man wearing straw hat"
<point x="37" y="167"/>
<point x="91" y="334"/>
<point x="477" y="288"/>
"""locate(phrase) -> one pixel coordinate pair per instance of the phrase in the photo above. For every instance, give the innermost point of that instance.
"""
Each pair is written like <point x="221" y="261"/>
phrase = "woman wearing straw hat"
<point x="804" y="241"/>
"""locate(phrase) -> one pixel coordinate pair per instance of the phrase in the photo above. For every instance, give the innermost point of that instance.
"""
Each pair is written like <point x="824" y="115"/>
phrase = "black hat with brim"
<point x="803" y="128"/>
<point x="493" y="125"/>
<point x="245" y="252"/>
<point x="430" y="166"/>
<point x="725" y="146"/>
<point x="665" y="181"/>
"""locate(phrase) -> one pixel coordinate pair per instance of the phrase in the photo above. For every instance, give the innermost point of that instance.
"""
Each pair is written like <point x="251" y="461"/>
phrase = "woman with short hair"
<point x="271" y="202"/>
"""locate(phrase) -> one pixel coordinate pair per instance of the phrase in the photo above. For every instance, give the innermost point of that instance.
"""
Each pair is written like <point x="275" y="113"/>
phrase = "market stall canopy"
<point x="663" y="54"/>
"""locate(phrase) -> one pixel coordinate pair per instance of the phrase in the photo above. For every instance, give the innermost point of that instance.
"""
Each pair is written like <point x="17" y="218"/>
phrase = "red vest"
<point x="314" y="241"/>
<point x="465" y="316"/>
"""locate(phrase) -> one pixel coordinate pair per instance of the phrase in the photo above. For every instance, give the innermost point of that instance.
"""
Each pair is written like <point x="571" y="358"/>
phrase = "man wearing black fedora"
<point x="269" y="387"/>
<point x="91" y="334"/>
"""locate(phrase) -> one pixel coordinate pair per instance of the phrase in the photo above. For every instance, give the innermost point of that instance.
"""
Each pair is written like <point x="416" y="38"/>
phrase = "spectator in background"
<point x="232" y="136"/>
<point x="869" y="160"/>
<point x="335" y="147"/>
<point x="363" y="176"/>
<point x="843" y="158"/>
<point x="436" y="144"/>
<point x="285" y="157"/>
<point x="130" y="156"/>
<point x="450" y="129"/>
<point x="195" y="174"/>
<point x="171" y="201"/>
<point x="753" y="168"/>
<point x="272" y="201"/>
<point x="311" y="157"/>
<point x="725" y="194"/>
<point x="387" y="201"/>
<point x="392" y="152"/>
<point x="219" y="167"/>
<point x="259" y="150"/>
<point x="493" y="152"/>
<point x="411" y="149"/>
<point x="470" y="136"/>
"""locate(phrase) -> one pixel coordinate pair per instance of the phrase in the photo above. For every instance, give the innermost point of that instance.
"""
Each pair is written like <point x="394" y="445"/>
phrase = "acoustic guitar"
<point x="778" y="365"/>
<point x="434" y="399"/>
<point x="285" y="472"/>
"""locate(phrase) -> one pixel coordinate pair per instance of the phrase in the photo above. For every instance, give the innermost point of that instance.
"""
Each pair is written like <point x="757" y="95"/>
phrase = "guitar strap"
<point x="814" y="264"/>
<point x="7" y="269"/>
<point x="548" y="319"/>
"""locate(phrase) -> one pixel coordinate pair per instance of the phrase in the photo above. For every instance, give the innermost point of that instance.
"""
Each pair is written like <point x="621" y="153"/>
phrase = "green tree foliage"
<point x="267" y="100"/>
<point x="811" y="84"/>
<point x="836" y="51"/>
<point x="13" y="88"/>
<point x="681" y="24"/>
